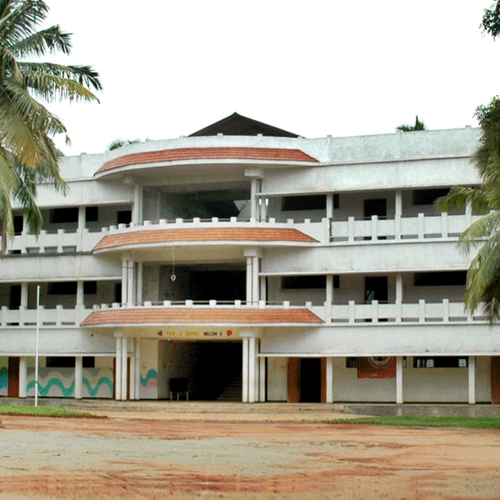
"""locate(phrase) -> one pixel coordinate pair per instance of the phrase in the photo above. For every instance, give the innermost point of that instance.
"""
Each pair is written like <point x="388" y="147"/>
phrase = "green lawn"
<point x="408" y="421"/>
<point x="43" y="411"/>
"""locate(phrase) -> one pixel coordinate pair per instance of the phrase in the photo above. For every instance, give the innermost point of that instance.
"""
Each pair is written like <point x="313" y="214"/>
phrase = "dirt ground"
<point x="137" y="458"/>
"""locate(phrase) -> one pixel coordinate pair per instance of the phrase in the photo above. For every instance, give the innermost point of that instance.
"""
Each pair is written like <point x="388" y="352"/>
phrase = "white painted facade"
<point x="410" y="316"/>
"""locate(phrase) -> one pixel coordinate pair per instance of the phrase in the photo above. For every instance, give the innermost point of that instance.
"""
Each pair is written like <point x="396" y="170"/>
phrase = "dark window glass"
<point x="18" y="224"/>
<point x="427" y="196"/>
<point x="314" y="202"/>
<point x="91" y="214"/>
<point x="441" y="362"/>
<point x="124" y="217"/>
<point x="62" y="288"/>
<point x="90" y="287"/>
<point x="376" y="207"/>
<point x="351" y="362"/>
<point x="444" y="278"/>
<point x="118" y="293"/>
<point x="63" y="215"/>
<point x="15" y="297"/>
<point x="69" y="362"/>
<point x="297" y="282"/>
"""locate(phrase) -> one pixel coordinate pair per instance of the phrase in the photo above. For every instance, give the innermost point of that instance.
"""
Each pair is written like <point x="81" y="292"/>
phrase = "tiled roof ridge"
<point x="201" y="315"/>
<point x="212" y="153"/>
<point x="152" y="236"/>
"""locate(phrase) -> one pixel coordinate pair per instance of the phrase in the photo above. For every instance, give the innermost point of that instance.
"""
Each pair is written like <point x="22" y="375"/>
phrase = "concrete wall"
<point x="149" y="369"/>
<point x="277" y="379"/>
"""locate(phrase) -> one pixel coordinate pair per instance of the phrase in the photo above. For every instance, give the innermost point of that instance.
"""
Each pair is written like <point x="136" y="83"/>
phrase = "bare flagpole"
<point x="36" y="348"/>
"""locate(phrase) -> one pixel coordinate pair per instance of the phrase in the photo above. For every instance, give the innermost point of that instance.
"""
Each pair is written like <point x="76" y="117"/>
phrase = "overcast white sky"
<point x="314" y="68"/>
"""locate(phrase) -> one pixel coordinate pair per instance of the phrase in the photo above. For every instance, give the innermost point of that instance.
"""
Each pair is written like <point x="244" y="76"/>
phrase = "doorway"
<point x="13" y="390"/>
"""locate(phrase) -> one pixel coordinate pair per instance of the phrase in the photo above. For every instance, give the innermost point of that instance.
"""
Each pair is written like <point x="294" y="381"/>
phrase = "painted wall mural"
<point x="149" y="385"/>
<point x="97" y="383"/>
<point x="4" y="381"/>
<point x="52" y="382"/>
<point x="60" y="382"/>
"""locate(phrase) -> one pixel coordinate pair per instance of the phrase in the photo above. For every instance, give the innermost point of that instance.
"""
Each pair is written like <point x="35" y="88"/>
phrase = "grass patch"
<point x="409" y="421"/>
<point x="44" y="411"/>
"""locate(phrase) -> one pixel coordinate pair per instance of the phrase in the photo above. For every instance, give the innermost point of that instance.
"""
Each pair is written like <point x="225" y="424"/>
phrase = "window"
<point x="444" y="278"/>
<point x="91" y="214"/>
<point x="18" y="224"/>
<point x="90" y="287"/>
<point x="441" y="362"/>
<point x="124" y="217"/>
<point x="376" y="207"/>
<point x="63" y="215"/>
<point x="15" y="297"/>
<point x="351" y="362"/>
<point x="62" y="288"/>
<point x="313" y="202"/>
<point x="428" y="196"/>
<point x="68" y="362"/>
<point x="307" y="282"/>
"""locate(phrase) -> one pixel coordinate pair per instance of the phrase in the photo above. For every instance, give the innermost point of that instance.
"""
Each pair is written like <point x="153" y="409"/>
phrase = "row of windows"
<point x="377" y="206"/>
<point x="425" y="362"/>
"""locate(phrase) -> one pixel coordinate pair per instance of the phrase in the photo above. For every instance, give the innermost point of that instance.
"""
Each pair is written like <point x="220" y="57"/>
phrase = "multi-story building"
<point x="244" y="256"/>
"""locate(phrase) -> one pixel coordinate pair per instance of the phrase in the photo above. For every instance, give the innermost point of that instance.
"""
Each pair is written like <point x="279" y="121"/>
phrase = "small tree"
<point x="412" y="128"/>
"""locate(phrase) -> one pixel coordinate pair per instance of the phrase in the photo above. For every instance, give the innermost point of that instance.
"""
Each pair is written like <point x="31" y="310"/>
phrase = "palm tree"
<point x="412" y="128"/>
<point x="27" y="128"/>
<point x="483" y="277"/>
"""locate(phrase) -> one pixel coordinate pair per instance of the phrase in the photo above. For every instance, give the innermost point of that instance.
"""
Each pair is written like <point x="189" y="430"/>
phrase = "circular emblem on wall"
<point x="380" y="362"/>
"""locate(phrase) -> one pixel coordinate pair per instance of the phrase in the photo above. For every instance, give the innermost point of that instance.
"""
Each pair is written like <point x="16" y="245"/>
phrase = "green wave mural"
<point x="94" y="391"/>
<point x="4" y="381"/>
<point x="43" y="390"/>
<point x="151" y="374"/>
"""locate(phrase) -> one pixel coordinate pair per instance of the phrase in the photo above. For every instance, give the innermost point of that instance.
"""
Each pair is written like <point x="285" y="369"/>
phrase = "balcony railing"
<point x="327" y="231"/>
<point x="336" y="315"/>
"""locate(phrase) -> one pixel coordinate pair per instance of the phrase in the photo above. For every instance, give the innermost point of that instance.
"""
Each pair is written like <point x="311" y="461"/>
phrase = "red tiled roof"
<point x="200" y="315"/>
<point x="167" y="155"/>
<point x="145" y="237"/>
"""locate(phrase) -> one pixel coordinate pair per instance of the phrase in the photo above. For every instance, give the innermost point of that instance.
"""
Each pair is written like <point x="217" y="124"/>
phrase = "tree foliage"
<point x="418" y="125"/>
<point x="483" y="277"/>
<point x="27" y="128"/>
<point x="491" y="20"/>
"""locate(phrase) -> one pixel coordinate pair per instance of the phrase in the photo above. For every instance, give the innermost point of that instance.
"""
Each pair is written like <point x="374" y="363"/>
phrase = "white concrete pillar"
<point x="263" y="290"/>
<point x="399" y="380"/>
<point x="132" y="369"/>
<point x="139" y="282"/>
<point x="472" y="380"/>
<point x="137" y="208"/>
<point x="329" y="298"/>
<point x="329" y="205"/>
<point x="329" y="380"/>
<point x="398" y="212"/>
<point x="24" y="295"/>
<point x="124" y="280"/>
<point x="253" y="198"/>
<point x="468" y="212"/>
<point x="23" y="376"/>
<point x="251" y="369"/>
<point x="81" y="218"/>
<point x="118" y="369"/>
<point x="130" y="283"/>
<point x="249" y="277"/>
<point x="137" y="368"/>
<point x="262" y="380"/>
<point x="255" y="279"/>
<point x="124" y="367"/>
<point x="244" y="397"/>
<point x="399" y="287"/>
<point x="78" y="377"/>
<point x="79" y="293"/>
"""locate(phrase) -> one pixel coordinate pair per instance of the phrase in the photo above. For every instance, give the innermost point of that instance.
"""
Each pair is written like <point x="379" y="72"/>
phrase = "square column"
<point x="124" y="368"/>
<point x="262" y="379"/>
<point x="137" y="368"/>
<point x="244" y="397"/>
<point x="132" y="370"/>
<point x="399" y="380"/>
<point x="23" y="376"/>
<point x="78" y="377"/>
<point x="118" y="369"/>
<point x="329" y="380"/>
<point x="251" y="370"/>
<point x="472" y="380"/>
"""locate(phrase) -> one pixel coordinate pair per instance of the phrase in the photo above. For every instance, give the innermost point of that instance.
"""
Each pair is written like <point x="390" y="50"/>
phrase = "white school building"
<point x="246" y="262"/>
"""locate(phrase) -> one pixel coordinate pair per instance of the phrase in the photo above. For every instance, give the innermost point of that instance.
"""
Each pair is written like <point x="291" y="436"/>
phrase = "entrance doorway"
<point x="13" y="390"/>
<point x="306" y="380"/>
<point x="211" y="369"/>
